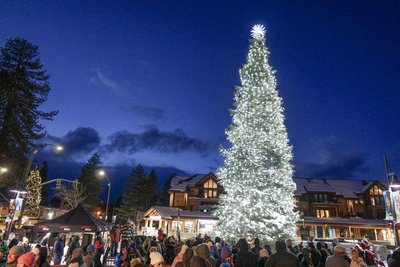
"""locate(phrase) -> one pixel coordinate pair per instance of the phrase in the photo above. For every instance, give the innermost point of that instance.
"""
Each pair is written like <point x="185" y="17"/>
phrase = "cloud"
<point x="149" y="112"/>
<point x="336" y="161"/>
<point x="154" y="139"/>
<point x="103" y="79"/>
<point x="79" y="141"/>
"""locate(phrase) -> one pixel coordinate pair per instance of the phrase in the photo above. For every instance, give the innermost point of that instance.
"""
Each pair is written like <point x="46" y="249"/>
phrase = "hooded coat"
<point x="282" y="257"/>
<point x="203" y="251"/>
<point x="245" y="257"/>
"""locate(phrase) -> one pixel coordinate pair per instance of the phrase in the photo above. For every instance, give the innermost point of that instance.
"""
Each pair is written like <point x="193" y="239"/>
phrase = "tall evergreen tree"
<point x="89" y="182"/>
<point x="151" y="189"/>
<point x="163" y="198"/>
<point x="134" y="195"/>
<point x="34" y="196"/>
<point x="257" y="173"/>
<point x="24" y="87"/>
<point x="43" y="171"/>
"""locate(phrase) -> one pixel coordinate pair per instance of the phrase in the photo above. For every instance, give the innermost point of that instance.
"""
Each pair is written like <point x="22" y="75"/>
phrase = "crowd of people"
<point x="202" y="251"/>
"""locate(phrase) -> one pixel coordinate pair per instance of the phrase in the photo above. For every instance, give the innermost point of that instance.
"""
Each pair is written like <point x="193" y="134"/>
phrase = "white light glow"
<point x="258" y="32"/>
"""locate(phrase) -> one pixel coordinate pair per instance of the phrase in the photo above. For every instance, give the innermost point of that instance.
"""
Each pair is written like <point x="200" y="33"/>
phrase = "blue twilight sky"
<point x="152" y="82"/>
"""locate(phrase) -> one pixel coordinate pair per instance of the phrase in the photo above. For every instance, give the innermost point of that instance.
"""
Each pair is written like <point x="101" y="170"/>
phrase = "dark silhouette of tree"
<point x="24" y="87"/>
<point x="90" y="182"/>
<point x="44" y="169"/>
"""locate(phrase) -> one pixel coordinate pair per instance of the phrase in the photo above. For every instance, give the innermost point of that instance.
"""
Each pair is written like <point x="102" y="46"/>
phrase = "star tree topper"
<point x="258" y="32"/>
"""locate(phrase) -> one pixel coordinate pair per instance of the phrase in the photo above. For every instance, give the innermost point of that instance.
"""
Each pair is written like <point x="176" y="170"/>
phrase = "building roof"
<point x="169" y="213"/>
<point x="344" y="221"/>
<point x="181" y="183"/>
<point x="347" y="188"/>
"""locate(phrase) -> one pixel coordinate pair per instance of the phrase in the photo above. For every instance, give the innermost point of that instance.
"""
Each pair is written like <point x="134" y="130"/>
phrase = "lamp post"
<point x="102" y="173"/>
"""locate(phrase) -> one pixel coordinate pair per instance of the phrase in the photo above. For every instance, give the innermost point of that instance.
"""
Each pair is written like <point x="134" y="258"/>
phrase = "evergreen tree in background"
<point x="163" y="198"/>
<point x="43" y="172"/>
<point x="90" y="182"/>
<point x="257" y="173"/>
<point x="151" y="190"/>
<point x="24" y="88"/>
<point x="34" y="195"/>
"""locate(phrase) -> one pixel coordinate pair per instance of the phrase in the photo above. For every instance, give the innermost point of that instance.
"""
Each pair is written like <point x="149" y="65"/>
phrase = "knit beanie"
<point x="225" y="253"/>
<point x="27" y="259"/>
<point x="156" y="257"/>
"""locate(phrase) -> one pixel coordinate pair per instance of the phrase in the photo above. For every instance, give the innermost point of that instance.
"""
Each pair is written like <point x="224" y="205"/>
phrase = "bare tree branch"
<point x="71" y="196"/>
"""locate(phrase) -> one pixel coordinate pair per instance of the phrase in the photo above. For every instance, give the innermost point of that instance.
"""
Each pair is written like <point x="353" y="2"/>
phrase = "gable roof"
<point x="347" y="188"/>
<point x="181" y="183"/>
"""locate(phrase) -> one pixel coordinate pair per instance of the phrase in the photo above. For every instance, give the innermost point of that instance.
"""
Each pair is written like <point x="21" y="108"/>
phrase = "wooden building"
<point x="328" y="208"/>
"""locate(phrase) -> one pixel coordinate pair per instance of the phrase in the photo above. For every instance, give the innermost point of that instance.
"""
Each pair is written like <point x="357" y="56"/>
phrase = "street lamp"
<point x="3" y="170"/>
<point x="102" y="173"/>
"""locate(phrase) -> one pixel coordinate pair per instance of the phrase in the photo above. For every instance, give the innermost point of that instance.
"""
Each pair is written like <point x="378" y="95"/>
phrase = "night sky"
<point x="152" y="82"/>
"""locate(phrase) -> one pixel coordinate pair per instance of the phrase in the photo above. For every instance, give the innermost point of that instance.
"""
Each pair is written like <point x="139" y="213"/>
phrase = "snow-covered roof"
<point x="347" y="188"/>
<point x="181" y="183"/>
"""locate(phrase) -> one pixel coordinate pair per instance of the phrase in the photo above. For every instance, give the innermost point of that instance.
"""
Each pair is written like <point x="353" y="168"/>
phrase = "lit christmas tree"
<point x="34" y="195"/>
<point x="257" y="173"/>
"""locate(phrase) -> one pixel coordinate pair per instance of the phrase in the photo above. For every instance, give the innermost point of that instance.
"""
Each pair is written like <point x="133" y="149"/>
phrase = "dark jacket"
<point x="203" y="251"/>
<point x="282" y="257"/>
<point x="59" y="247"/>
<point x="245" y="257"/>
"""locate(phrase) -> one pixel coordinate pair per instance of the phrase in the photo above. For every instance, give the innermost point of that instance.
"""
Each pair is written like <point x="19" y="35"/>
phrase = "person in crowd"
<point x="306" y="259"/>
<point x="203" y="251"/>
<point x="12" y="243"/>
<point x="136" y="263"/>
<point x="268" y="248"/>
<point x="226" y="257"/>
<point x="338" y="258"/>
<point x="42" y="261"/>
<point x="13" y="254"/>
<point x="26" y="245"/>
<point x="256" y="246"/>
<point x="156" y="259"/>
<point x="245" y="257"/>
<point x="169" y="254"/>
<point x="58" y="249"/>
<point x="394" y="260"/>
<point x="77" y="258"/>
<point x="291" y="248"/>
<point x="369" y="254"/>
<point x="187" y="256"/>
<point x="115" y="238"/>
<point x="315" y="254"/>
<point x="179" y="257"/>
<point x="27" y="260"/>
<point x="324" y="254"/>
<point x="198" y="240"/>
<point x="356" y="261"/>
<point x="127" y="235"/>
<point x="282" y="257"/>
<point x="328" y="249"/>
<point x="74" y="244"/>
<point x="160" y="235"/>
<point x="99" y="243"/>
<point x="88" y="256"/>
<point x="262" y="259"/>
<point x="133" y="252"/>
<point x="198" y="261"/>
<point x="213" y="249"/>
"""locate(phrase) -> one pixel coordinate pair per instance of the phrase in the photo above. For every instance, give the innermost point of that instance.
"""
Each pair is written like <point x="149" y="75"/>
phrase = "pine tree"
<point x="151" y="189"/>
<point x="257" y="173"/>
<point x="24" y="87"/>
<point x="89" y="182"/>
<point x="134" y="195"/>
<point x="34" y="195"/>
<point x="44" y="175"/>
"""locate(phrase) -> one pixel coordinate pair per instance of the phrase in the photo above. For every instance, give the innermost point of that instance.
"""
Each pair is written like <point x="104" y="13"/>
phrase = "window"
<point x="323" y="213"/>
<point x="210" y="189"/>
<point x="320" y="198"/>
<point x="376" y="196"/>
<point x="156" y="224"/>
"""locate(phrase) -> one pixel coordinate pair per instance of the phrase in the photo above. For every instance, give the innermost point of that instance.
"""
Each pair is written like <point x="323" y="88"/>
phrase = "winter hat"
<point x="17" y="250"/>
<point x="156" y="257"/>
<point x="90" y="248"/>
<point x="264" y="253"/>
<point x="25" y="240"/>
<point x="340" y="250"/>
<point x="226" y="252"/>
<point x="27" y="259"/>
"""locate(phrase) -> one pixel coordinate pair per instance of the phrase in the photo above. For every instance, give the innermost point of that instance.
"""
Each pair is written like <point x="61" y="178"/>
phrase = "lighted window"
<point x="210" y="189"/>
<point x="376" y="197"/>
<point x="323" y="213"/>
